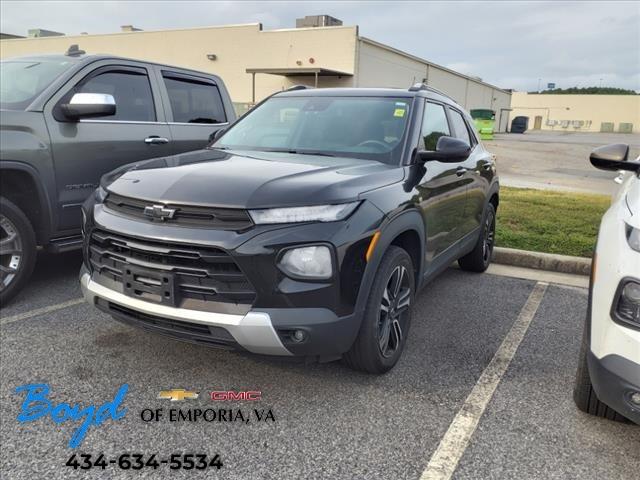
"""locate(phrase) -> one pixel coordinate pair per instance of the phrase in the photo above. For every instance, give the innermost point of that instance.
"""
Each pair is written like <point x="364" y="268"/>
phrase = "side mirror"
<point x="86" y="105"/>
<point x="613" y="157"/>
<point x="448" y="149"/>
<point x="216" y="135"/>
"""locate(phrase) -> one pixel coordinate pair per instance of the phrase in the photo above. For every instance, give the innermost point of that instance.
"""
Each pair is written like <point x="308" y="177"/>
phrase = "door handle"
<point x="460" y="171"/>
<point x="156" y="140"/>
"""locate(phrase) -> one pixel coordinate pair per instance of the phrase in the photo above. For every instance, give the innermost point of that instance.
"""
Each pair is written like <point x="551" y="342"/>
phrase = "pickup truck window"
<point x="132" y="92"/>
<point x="193" y="101"/>
<point x="21" y="81"/>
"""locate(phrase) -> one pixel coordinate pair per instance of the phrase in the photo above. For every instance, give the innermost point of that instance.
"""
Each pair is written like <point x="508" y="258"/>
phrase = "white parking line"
<point x="452" y="446"/>
<point x="40" y="311"/>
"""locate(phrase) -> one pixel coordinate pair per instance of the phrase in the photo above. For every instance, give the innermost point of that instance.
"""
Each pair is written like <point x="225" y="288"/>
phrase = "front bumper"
<point x="614" y="379"/>
<point x="253" y="331"/>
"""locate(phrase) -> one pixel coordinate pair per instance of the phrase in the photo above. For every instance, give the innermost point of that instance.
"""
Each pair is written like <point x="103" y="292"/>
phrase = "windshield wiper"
<point x="300" y="152"/>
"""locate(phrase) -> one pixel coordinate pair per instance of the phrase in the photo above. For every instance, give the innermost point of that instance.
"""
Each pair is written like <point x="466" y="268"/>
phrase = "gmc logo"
<point x="230" y="395"/>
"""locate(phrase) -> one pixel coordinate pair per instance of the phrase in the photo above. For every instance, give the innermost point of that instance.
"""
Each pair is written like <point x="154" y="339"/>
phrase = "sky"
<point x="515" y="45"/>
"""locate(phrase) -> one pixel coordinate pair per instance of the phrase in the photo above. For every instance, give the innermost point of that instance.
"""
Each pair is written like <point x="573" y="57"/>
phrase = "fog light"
<point x="298" y="336"/>
<point x="309" y="262"/>
<point x="628" y="308"/>
<point x="635" y="398"/>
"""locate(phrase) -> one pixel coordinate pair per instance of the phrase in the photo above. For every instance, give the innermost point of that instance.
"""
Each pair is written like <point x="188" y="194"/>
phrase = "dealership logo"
<point x="36" y="405"/>
<point x="178" y="395"/>
<point x="230" y="395"/>
<point x="159" y="212"/>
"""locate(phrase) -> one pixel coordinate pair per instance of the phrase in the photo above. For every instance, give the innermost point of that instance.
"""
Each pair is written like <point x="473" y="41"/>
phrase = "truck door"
<point x="85" y="150"/>
<point x="194" y="108"/>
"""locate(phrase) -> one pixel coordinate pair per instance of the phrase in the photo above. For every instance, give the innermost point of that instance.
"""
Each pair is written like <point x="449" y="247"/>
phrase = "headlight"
<point x="628" y="306"/>
<point x="312" y="262"/>
<point x="316" y="213"/>
<point x="633" y="237"/>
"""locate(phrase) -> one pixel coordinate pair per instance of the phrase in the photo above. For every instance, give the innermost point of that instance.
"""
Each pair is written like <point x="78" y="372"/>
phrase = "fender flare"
<point x="46" y="219"/>
<point x="409" y="220"/>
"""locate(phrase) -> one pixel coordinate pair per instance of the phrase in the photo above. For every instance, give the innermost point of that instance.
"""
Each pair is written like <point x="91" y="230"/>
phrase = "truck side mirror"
<point x="87" y="105"/>
<point x="613" y="157"/>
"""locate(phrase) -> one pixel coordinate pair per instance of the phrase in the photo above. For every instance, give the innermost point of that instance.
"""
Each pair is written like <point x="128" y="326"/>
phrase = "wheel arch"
<point x="406" y="230"/>
<point x="19" y="183"/>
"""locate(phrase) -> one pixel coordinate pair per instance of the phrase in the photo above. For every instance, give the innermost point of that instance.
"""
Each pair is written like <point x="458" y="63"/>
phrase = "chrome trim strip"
<point x="130" y="122"/>
<point x="221" y="124"/>
<point x="253" y="331"/>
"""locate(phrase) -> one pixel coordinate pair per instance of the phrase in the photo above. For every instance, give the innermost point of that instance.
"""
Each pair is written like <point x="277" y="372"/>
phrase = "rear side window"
<point x="131" y="91"/>
<point x="193" y="101"/>
<point x="434" y="126"/>
<point x="460" y="127"/>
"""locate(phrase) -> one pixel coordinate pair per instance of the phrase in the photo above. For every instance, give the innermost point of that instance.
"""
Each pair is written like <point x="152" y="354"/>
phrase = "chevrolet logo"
<point x="159" y="212"/>
<point x="177" y="394"/>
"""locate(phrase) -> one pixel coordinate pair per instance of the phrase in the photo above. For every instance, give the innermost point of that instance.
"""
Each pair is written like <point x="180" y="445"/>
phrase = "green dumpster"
<point x="485" y="121"/>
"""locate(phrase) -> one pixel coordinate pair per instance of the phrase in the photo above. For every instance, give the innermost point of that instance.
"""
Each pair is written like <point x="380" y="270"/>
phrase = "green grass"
<point x="549" y="221"/>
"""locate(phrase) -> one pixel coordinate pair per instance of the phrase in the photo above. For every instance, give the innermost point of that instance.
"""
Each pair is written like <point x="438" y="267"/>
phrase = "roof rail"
<point x="297" y="87"/>
<point x="74" y="51"/>
<point x="423" y="86"/>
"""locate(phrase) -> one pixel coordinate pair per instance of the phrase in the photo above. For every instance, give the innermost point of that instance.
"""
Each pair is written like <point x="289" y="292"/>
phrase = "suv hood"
<point x="632" y="199"/>
<point x="250" y="179"/>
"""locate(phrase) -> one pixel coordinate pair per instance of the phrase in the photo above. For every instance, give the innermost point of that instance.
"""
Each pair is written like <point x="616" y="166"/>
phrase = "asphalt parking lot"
<point x="557" y="159"/>
<point x="331" y="422"/>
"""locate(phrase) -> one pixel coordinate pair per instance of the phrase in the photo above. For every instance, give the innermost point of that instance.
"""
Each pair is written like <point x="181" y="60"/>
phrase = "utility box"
<point x="625" y="128"/>
<point x="606" y="127"/>
<point x="485" y="122"/>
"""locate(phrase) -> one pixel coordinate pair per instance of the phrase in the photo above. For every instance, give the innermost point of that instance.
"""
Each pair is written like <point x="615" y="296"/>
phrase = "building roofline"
<point x="427" y="62"/>
<point x="142" y="32"/>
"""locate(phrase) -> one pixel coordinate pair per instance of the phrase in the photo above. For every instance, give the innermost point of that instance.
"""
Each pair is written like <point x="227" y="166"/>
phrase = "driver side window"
<point x="434" y="126"/>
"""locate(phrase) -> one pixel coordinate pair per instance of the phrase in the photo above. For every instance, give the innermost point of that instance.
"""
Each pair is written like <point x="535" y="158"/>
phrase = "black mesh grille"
<point x="195" y="216"/>
<point x="207" y="274"/>
<point x="187" y="331"/>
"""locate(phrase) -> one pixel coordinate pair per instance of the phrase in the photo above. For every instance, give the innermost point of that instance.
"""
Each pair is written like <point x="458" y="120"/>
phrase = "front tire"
<point x="585" y="396"/>
<point x="479" y="259"/>
<point x="17" y="250"/>
<point x="387" y="315"/>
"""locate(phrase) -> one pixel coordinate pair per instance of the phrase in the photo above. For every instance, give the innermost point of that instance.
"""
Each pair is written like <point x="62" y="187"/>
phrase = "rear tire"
<point x="479" y="259"/>
<point x="387" y="316"/>
<point x="585" y="396"/>
<point x="17" y="250"/>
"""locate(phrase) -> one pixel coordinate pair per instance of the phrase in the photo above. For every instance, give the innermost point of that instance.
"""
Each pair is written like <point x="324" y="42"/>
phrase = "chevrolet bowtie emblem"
<point x="159" y="212"/>
<point x="177" y="394"/>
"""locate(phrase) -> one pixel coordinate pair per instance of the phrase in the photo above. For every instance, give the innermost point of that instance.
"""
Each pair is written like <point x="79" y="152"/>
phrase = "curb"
<point x="542" y="261"/>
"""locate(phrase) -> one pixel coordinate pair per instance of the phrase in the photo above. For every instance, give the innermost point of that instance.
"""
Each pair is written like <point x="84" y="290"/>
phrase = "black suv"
<point x="304" y="229"/>
<point x="66" y="120"/>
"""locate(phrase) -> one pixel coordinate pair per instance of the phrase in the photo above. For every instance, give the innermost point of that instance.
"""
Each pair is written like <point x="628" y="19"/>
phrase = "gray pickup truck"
<point x="65" y="120"/>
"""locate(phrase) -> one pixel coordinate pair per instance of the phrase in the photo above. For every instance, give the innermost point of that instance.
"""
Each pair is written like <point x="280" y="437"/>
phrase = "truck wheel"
<point x="585" y="396"/>
<point x="387" y="315"/>
<point x="479" y="258"/>
<point x="17" y="250"/>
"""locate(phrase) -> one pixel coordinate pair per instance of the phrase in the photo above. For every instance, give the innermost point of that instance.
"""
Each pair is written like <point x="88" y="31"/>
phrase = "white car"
<point x="608" y="376"/>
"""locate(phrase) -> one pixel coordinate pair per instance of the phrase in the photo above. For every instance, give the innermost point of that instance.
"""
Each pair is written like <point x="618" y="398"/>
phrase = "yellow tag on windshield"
<point x="399" y="112"/>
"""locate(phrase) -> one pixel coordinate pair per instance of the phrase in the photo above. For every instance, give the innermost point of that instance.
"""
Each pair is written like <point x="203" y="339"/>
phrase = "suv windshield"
<point x="21" y="81"/>
<point x="362" y="127"/>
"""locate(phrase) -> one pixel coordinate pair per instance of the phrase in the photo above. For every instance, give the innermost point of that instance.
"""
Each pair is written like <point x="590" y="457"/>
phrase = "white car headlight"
<point x="310" y="262"/>
<point x="316" y="213"/>
<point x="633" y="237"/>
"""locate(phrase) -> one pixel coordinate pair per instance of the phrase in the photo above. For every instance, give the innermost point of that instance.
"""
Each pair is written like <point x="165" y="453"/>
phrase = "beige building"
<point x="581" y="113"/>
<point x="255" y="63"/>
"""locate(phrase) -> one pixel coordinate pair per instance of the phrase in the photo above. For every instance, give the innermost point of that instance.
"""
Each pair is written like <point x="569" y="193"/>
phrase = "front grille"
<point x="200" y="274"/>
<point x="187" y="331"/>
<point x="187" y="215"/>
